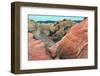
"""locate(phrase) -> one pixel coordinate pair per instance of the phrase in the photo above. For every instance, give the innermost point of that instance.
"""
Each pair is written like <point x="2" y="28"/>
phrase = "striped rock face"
<point x="36" y="49"/>
<point x="74" y="43"/>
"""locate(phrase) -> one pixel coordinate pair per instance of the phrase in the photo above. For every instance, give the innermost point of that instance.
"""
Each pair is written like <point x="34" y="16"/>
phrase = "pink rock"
<point x="73" y="43"/>
<point x="37" y="50"/>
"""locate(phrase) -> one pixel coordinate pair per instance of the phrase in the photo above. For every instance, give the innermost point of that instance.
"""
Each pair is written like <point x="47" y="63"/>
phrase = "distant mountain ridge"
<point x="77" y="21"/>
<point x="50" y="21"/>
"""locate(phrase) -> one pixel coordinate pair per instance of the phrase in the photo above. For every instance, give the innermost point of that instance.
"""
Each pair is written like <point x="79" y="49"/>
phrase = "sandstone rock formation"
<point x="73" y="45"/>
<point x="36" y="50"/>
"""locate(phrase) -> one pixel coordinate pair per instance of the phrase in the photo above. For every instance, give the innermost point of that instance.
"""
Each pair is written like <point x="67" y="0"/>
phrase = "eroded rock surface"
<point x="36" y="49"/>
<point x="73" y="45"/>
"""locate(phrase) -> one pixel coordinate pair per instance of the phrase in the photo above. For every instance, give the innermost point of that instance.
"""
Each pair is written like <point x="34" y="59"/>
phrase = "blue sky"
<point x="53" y="18"/>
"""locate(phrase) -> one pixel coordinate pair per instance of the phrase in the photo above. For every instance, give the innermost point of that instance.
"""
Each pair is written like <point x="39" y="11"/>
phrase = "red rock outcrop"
<point x="74" y="43"/>
<point x="36" y="50"/>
